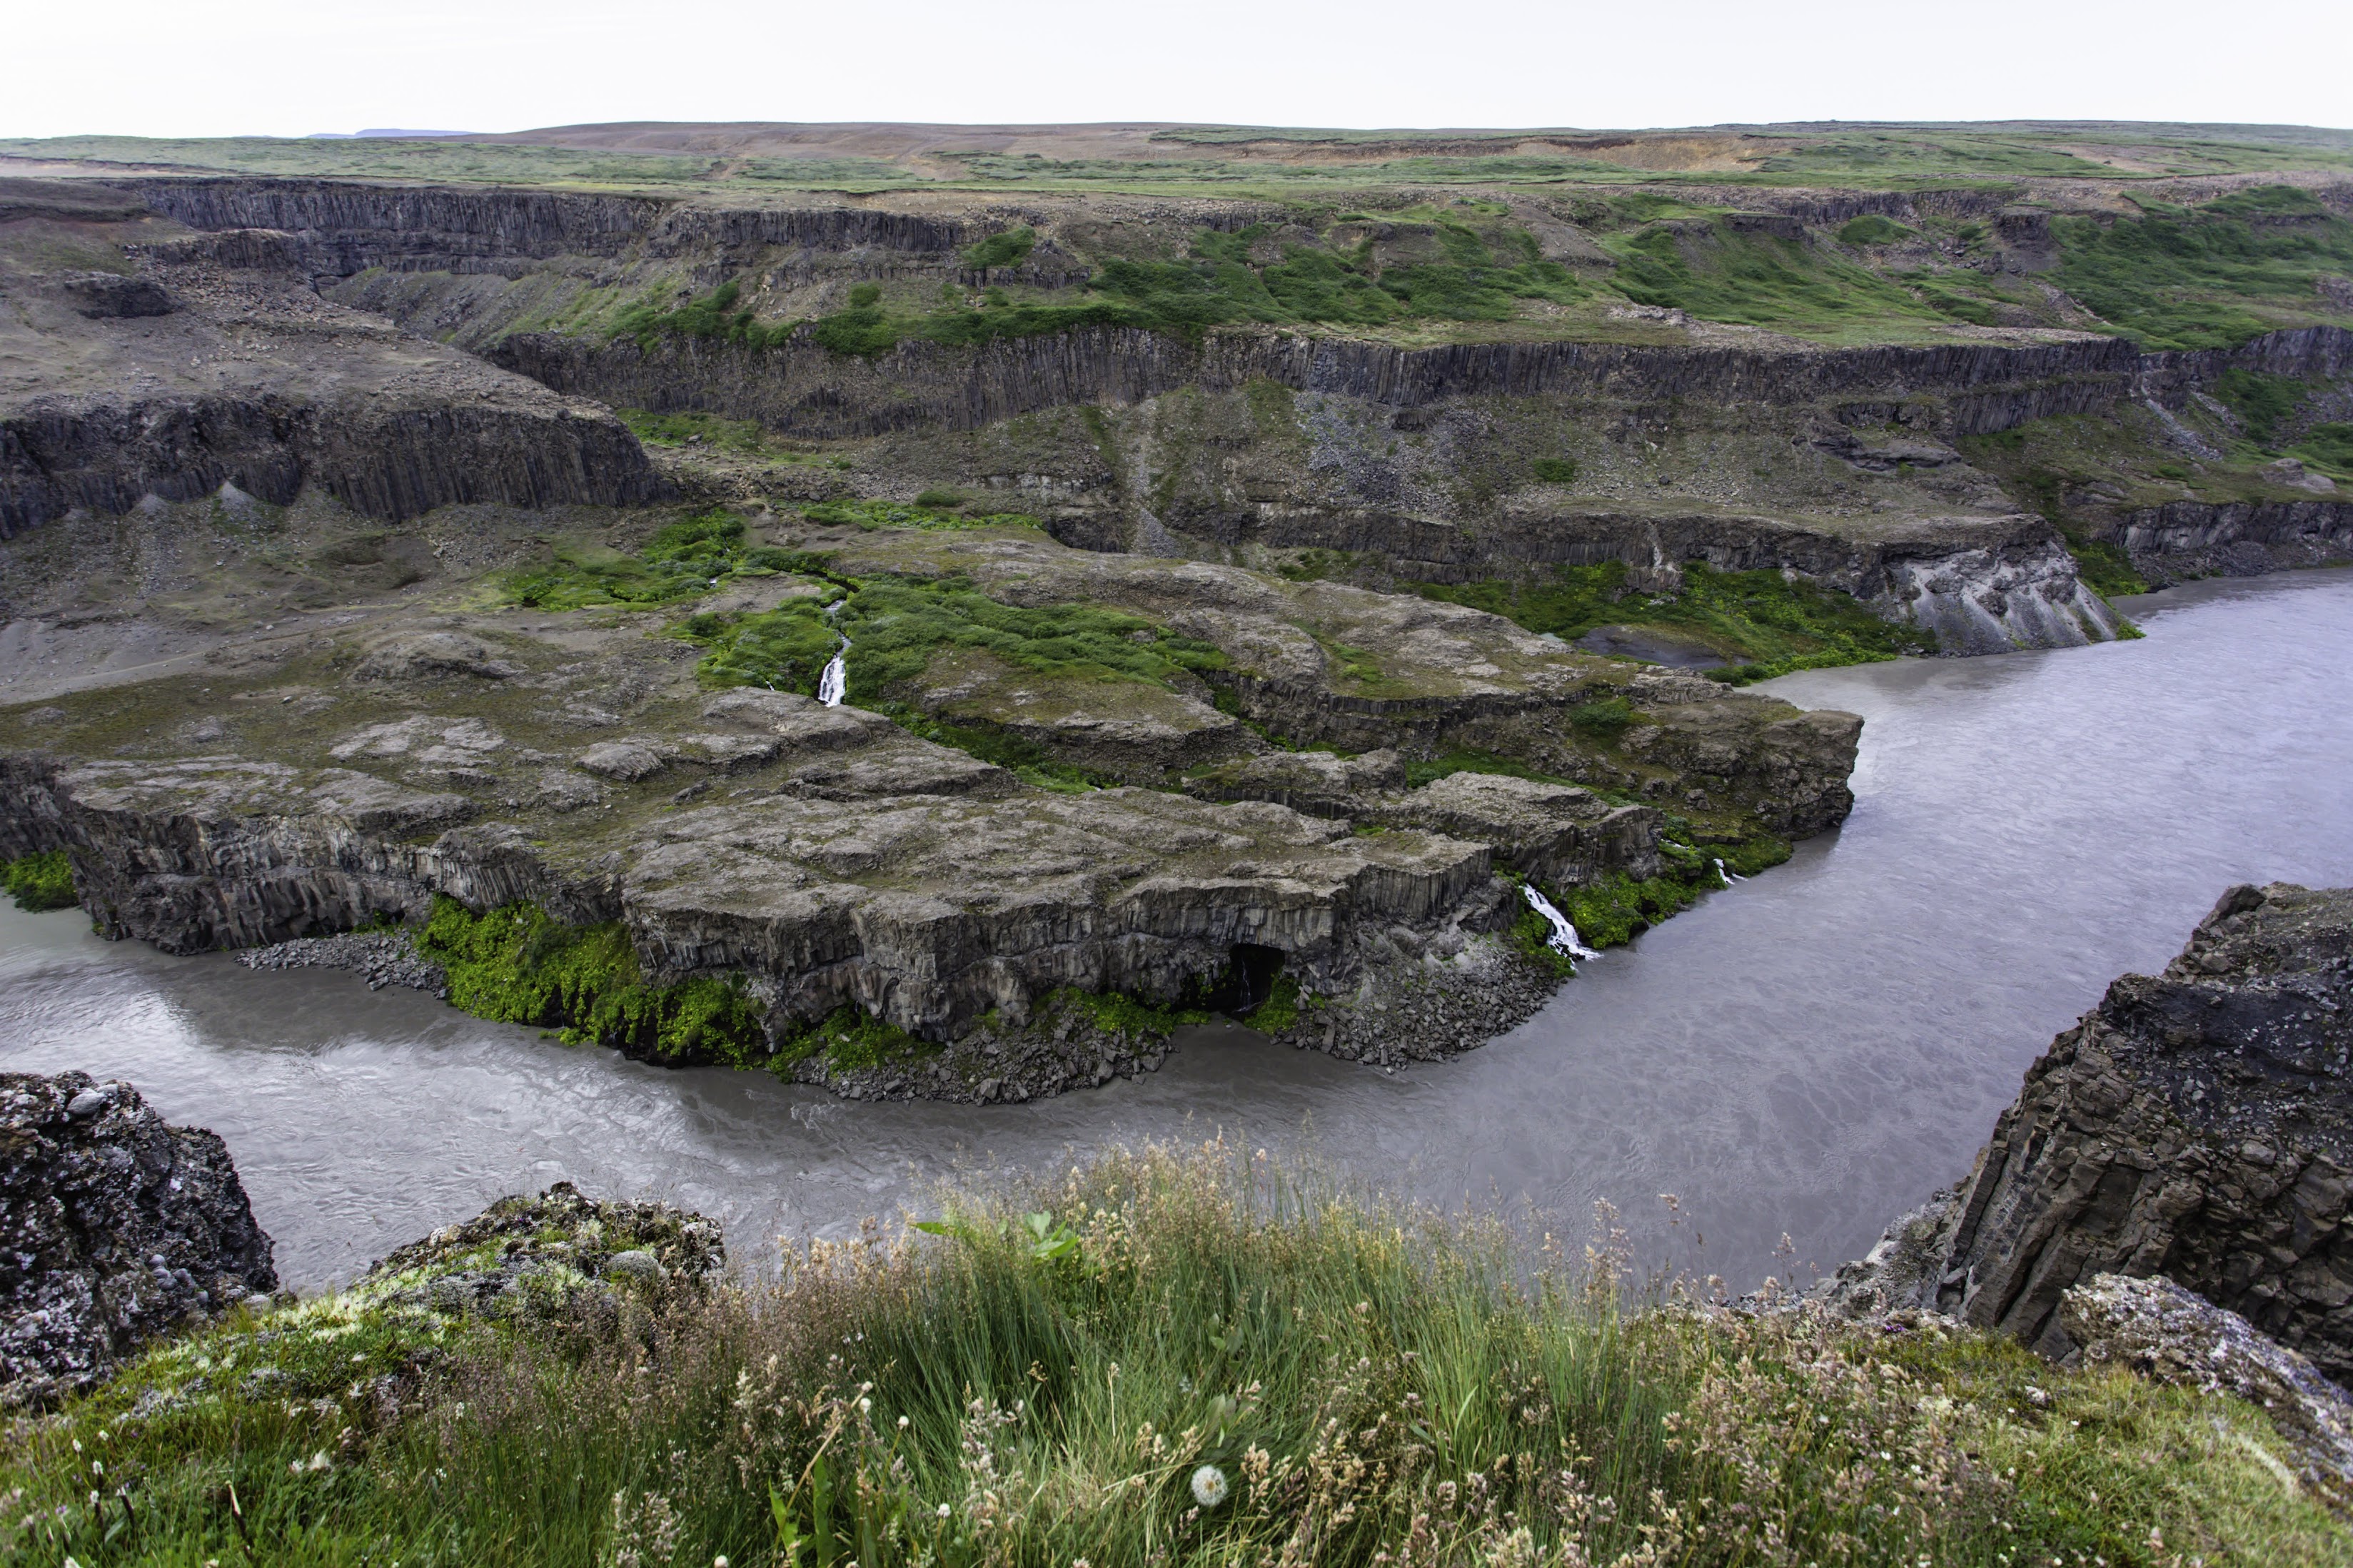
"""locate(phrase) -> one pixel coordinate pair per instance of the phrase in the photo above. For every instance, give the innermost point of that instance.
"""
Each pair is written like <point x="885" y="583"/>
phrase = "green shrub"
<point x="519" y="964"/>
<point x="1603" y="720"/>
<point x="1007" y="247"/>
<point x="43" y="881"/>
<point x="940" y="501"/>
<point x="1556" y="471"/>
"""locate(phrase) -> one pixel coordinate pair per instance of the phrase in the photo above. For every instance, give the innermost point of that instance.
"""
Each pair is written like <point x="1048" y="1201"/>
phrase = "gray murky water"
<point x="1807" y="1053"/>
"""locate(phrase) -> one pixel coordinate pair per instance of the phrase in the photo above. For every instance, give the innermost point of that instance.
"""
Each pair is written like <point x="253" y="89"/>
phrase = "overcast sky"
<point x="215" y="67"/>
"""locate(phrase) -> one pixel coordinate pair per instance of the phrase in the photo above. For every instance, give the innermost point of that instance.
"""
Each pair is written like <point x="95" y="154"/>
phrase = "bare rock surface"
<point x="115" y="1228"/>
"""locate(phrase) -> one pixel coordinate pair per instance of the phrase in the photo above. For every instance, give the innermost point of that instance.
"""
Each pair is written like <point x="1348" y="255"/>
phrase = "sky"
<point x="218" y="67"/>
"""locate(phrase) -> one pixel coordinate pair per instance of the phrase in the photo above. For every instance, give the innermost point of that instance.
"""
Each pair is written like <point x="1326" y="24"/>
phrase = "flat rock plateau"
<point x="936" y="639"/>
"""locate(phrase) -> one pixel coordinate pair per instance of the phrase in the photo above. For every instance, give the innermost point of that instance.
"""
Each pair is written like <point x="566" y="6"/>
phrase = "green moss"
<point x="2328" y="445"/>
<point x="2263" y="403"/>
<point x="1721" y="272"/>
<point x="519" y="964"/>
<point x="1603" y="720"/>
<point x="1420" y="771"/>
<point x="39" y="882"/>
<point x="2103" y="567"/>
<point x="1117" y="1012"/>
<point x="1280" y="1010"/>
<point x="684" y="560"/>
<point x="896" y="625"/>
<point x="849" y="1038"/>
<point x="1531" y="938"/>
<point x="1871" y="229"/>
<point x="1766" y="622"/>
<point x="932" y="509"/>
<point x="744" y="436"/>
<point x="1555" y="470"/>
<point x="1615" y="908"/>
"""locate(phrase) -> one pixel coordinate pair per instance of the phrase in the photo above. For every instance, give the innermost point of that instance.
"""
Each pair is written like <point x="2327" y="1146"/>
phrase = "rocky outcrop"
<point x="114" y="1228"/>
<point x="2166" y="1334"/>
<point x="561" y="1242"/>
<point x="375" y="456"/>
<point x="2233" y="539"/>
<point x="195" y="369"/>
<point x="800" y="387"/>
<point x="2197" y="1125"/>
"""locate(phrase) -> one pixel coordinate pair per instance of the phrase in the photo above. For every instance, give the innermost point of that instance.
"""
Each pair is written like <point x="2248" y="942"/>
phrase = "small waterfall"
<point x="1564" y="935"/>
<point x="1728" y="878"/>
<point x="834" y="684"/>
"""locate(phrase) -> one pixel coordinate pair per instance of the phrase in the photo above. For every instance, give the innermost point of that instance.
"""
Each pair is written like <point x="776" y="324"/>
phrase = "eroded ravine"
<point x="1803" y="1053"/>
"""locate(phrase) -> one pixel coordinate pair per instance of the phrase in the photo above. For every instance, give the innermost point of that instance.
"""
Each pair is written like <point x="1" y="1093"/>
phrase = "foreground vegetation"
<point x="1163" y="1359"/>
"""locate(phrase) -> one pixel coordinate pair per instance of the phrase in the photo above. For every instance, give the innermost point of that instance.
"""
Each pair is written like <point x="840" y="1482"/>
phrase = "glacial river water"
<point x="1806" y="1053"/>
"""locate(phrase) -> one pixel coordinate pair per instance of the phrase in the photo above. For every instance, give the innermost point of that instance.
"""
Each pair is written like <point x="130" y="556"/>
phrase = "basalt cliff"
<point x="2194" y="1126"/>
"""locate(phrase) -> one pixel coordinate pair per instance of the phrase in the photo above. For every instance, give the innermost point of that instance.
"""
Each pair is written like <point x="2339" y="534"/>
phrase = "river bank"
<point x="2027" y="827"/>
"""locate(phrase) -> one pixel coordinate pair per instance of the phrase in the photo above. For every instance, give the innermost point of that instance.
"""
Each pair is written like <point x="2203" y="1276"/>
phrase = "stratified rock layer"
<point x="114" y="1228"/>
<point x="2196" y="1125"/>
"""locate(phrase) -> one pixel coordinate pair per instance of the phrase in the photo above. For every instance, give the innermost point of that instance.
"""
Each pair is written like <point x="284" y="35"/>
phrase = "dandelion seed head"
<point x="1210" y="1486"/>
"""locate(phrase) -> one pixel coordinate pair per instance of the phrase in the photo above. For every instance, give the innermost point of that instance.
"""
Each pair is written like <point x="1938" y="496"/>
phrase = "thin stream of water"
<point x="1807" y="1052"/>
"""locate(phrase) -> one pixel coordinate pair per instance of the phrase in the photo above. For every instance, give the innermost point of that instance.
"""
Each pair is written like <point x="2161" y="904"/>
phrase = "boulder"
<point x="114" y="1228"/>
<point x="2168" y="1334"/>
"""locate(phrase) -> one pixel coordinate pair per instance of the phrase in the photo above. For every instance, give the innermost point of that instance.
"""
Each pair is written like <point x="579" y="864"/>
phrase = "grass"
<point x="2210" y="276"/>
<point x="745" y="437"/>
<point x="896" y="624"/>
<point x="519" y="964"/>
<point x="38" y="882"/>
<point x="1468" y="275"/>
<point x="1766" y="624"/>
<point x="1161" y="1360"/>
<point x="1709" y="269"/>
<point x="684" y="560"/>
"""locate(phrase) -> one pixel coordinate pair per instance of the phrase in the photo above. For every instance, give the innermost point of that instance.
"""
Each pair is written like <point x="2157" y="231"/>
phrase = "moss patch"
<point x="1765" y="624"/>
<point x="684" y="560"/>
<point x="39" y="882"/>
<point x="519" y="964"/>
<point x="896" y="624"/>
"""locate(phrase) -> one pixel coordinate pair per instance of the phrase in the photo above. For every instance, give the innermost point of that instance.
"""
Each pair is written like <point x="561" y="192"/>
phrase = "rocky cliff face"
<point x="195" y="368"/>
<point x="2196" y="1125"/>
<point x="800" y="387"/>
<point x="114" y="1228"/>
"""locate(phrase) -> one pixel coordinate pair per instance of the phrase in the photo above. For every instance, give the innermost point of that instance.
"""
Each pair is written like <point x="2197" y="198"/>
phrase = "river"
<point x="1803" y="1054"/>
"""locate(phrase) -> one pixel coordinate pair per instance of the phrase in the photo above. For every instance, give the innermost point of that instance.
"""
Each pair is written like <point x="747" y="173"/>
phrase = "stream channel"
<point x="1805" y="1054"/>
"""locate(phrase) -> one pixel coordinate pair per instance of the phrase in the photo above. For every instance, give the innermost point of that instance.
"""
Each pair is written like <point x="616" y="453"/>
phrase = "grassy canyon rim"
<point x="930" y="611"/>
